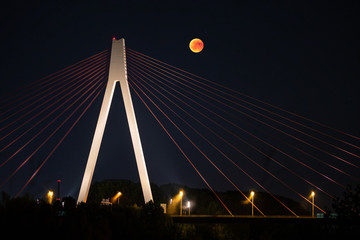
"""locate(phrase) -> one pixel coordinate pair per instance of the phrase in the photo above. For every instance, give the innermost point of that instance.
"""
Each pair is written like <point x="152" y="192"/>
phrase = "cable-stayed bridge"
<point x="240" y="137"/>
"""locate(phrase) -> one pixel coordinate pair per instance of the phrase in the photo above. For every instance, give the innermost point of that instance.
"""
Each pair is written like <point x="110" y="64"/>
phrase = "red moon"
<point x="196" y="45"/>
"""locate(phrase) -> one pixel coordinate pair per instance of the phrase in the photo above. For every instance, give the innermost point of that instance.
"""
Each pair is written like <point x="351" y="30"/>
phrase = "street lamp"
<point x="50" y="196"/>
<point x="252" y="202"/>
<point x="181" y="195"/>
<point x="313" y="202"/>
<point x="116" y="197"/>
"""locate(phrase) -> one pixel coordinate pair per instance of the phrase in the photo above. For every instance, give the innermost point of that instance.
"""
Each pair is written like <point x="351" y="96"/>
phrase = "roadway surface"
<point x="247" y="219"/>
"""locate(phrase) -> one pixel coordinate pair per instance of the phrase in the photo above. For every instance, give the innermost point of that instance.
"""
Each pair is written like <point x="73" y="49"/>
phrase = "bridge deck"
<point x="246" y="219"/>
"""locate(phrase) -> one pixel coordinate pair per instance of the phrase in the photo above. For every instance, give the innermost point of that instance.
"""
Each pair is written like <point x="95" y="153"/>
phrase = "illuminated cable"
<point x="271" y="112"/>
<point x="183" y="153"/>
<point x="218" y="148"/>
<point x="58" y="144"/>
<point x="216" y="167"/>
<point x="94" y="72"/>
<point x="88" y="69"/>
<point x="50" y="89"/>
<point x="51" y="122"/>
<point x="249" y="145"/>
<point x="191" y="98"/>
<point x="245" y="95"/>
<point x="48" y="138"/>
<point x="238" y="104"/>
<point x="254" y="118"/>
<point x="44" y="81"/>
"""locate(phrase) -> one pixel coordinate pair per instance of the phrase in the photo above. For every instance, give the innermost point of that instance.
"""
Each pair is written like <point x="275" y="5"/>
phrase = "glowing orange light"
<point x="50" y="196"/>
<point x="116" y="197"/>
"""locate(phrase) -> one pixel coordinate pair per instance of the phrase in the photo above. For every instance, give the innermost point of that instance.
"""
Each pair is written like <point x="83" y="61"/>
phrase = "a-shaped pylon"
<point x="117" y="73"/>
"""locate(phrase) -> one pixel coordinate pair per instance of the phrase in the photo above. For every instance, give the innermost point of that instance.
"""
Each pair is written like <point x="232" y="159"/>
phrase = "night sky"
<point x="303" y="57"/>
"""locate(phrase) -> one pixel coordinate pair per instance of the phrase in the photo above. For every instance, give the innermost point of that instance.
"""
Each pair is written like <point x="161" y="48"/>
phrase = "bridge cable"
<point x="254" y="118"/>
<point x="62" y="139"/>
<point x="270" y="118"/>
<point x="228" y="143"/>
<point x="43" y="82"/>
<point x="245" y="95"/>
<point x="91" y="84"/>
<point x="82" y="73"/>
<point x="195" y="101"/>
<point x="209" y="129"/>
<point x="68" y="92"/>
<point x="187" y="123"/>
<point x="177" y="145"/>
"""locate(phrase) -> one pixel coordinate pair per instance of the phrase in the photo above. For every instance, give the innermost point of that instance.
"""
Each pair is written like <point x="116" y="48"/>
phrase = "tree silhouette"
<point x="348" y="207"/>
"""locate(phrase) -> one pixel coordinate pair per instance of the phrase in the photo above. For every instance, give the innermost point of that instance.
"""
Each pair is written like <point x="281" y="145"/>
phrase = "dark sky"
<point x="303" y="57"/>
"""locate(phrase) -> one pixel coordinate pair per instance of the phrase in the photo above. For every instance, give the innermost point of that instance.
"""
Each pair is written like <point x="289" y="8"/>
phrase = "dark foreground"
<point x="271" y="227"/>
<point x="26" y="219"/>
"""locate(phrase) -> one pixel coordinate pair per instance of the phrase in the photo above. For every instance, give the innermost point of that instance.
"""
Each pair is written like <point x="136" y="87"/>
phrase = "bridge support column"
<point x="117" y="73"/>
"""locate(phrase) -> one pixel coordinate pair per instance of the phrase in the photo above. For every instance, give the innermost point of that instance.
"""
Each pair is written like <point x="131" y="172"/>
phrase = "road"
<point x="246" y="219"/>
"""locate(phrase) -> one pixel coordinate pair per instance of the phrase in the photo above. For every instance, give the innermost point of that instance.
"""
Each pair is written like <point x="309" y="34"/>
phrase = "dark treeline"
<point x="202" y="201"/>
<point x="27" y="217"/>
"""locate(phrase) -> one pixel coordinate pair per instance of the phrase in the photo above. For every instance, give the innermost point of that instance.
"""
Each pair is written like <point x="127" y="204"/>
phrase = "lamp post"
<point x="58" y="190"/>
<point x="189" y="205"/>
<point x="118" y="197"/>
<point x="313" y="203"/>
<point x="181" y="195"/>
<point x="252" y="194"/>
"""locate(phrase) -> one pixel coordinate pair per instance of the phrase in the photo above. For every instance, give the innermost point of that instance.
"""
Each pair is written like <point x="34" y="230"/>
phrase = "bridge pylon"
<point x="117" y="73"/>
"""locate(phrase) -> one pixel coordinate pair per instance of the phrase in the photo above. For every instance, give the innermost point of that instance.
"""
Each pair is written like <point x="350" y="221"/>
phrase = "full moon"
<point x="196" y="45"/>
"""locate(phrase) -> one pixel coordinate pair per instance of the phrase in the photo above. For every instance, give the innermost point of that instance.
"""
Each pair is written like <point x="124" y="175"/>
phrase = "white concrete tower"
<point x="117" y="73"/>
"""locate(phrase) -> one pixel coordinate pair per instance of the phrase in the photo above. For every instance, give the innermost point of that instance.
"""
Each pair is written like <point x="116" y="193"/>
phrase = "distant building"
<point x="105" y="202"/>
<point x="163" y="205"/>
